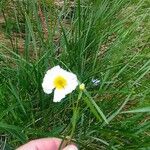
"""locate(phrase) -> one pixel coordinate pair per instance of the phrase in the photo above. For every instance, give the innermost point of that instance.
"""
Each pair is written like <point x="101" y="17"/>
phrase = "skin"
<point x="45" y="144"/>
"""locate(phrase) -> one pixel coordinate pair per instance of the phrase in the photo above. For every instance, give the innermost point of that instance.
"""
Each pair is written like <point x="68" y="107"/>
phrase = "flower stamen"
<point x="60" y="82"/>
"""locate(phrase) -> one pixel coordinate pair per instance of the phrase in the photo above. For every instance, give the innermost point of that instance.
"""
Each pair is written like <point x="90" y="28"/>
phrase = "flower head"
<point x="62" y="81"/>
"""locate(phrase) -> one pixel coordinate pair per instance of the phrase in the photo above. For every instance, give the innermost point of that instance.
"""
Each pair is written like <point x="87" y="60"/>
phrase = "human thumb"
<point x="70" y="147"/>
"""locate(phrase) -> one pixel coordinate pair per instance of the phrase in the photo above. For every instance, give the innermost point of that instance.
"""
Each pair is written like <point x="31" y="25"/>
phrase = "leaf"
<point x="16" y="95"/>
<point x="96" y="106"/>
<point x="111" y="117"/>
<point x="14" y="130"/>
<point x="140" y="110"/>
<point x="92" y="109"/>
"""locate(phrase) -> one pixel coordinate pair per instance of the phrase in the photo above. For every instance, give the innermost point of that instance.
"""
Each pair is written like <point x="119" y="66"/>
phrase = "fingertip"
<point x="42" y="144"/>
<point x="70" y="147"/>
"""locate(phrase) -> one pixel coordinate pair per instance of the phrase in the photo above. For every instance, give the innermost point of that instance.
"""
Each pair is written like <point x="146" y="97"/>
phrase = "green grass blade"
<point x="16" y="95"/>
<point x="140" y="110"/>
<point x="96" y="106"/>
<point x="111" y="117"/>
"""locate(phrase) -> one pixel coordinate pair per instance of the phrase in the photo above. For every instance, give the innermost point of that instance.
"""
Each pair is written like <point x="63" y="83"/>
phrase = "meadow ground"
<point x="105" y="43"/>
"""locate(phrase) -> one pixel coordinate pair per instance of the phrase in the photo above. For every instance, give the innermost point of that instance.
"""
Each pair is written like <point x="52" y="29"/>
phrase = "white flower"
<point x="62" y="81"/>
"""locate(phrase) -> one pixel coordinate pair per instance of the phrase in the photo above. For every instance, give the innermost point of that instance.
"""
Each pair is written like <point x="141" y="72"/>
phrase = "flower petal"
<point x="72" y="83"/>
<point x="47" y="84"/>
<point x="47" y="91"/>
<point x="58" y="95"/>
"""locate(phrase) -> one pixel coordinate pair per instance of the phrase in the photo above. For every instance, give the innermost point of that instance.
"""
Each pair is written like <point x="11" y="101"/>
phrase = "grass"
<point x="102" y="39"/>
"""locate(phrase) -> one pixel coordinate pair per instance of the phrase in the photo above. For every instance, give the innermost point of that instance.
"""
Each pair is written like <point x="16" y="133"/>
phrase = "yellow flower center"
<point x="60" y="82"/>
